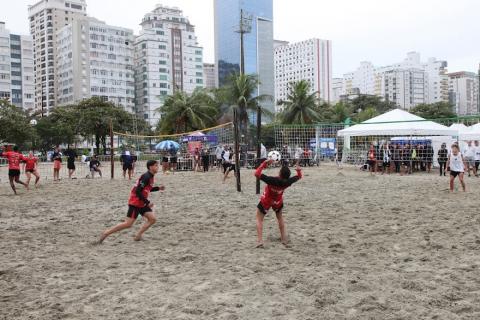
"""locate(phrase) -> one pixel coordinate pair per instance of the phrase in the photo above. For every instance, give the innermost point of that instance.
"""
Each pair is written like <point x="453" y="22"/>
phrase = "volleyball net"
<point x="314" y="144"/>
<point x="174" y="147"/>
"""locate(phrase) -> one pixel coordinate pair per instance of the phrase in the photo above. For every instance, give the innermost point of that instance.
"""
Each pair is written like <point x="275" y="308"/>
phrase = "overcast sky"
<point x="380" y="31"/>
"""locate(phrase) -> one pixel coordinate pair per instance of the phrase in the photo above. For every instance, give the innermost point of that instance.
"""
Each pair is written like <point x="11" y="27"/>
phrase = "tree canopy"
<point x="439" y="110"/>
<point x="14" y="125"/>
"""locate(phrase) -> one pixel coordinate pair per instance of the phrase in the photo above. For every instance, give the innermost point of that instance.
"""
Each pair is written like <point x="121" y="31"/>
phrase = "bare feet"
<point x="259" y="245"/>
<point x="137" y="238"/>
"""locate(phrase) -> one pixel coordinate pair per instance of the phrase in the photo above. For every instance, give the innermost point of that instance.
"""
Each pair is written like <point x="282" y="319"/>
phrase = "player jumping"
<point x="14" y="157"/>
<point x="272" y="197"/>
<point x="139" y="204"/>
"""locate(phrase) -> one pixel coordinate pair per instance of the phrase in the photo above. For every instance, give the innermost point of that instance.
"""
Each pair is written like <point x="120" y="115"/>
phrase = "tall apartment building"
<point x="464" y="90"/>
<point x="95" y="60"/>
<point x="258" y="42"/>
<point x="46" y="18"/>
<point x="405" y="87"/>
<point x="167" y="58"/>
<point x="337" y="89"/>
<point x="309" y="60"/>
<point x="368" y="79"/>
<point x="16" y="69"/>
<point x="209" y="75"/>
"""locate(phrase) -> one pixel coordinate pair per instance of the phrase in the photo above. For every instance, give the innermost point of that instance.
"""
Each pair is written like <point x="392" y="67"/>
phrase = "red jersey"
<point x="273" y="193"/>
<point x="13" y="158"/>
<point x="141" y="191"/>
<point x="30" y="163"/>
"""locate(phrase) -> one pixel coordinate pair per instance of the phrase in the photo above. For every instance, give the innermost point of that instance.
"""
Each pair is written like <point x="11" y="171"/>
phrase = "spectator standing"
<point x="442" y="159"/>
<point x="469" y="157"/>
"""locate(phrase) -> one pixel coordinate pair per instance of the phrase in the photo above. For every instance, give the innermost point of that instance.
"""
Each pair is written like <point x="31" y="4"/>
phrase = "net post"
<point x="112" y="162"/>
<point x="237" y="149"/>
<point x="259" y="146"/>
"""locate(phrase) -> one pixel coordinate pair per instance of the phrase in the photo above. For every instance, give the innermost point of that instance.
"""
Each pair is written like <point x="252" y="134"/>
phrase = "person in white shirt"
<point x="456" y="164"/>
<point x="477" y="157"/>
<point x="218" y="154"/>
<point x="469" y="156"/>
<point x="226" y="159"/>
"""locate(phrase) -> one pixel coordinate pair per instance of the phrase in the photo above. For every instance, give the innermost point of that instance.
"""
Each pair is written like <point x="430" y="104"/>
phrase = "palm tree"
<point x="241" y="93"/>
<point x="301" y="106"/>
<point x="182" y="112"/>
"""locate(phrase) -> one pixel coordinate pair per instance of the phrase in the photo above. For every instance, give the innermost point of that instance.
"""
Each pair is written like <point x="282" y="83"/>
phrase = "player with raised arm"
<point x="138" y="204"/>
<point x="272" y="197"/>
<point x="14" y="158"/>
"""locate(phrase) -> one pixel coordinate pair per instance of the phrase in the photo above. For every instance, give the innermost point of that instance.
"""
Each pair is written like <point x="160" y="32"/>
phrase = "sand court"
<point x="383" y="247"/>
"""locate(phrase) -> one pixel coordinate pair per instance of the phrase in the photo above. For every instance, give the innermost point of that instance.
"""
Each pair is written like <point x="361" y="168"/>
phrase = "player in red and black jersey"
<point x="272" y="197"/>
<point x="14" y="158"/>
<point x="138" y="204"/>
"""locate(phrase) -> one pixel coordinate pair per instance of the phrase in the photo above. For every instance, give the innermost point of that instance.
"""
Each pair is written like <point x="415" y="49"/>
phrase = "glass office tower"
<point x="258" y="44"/>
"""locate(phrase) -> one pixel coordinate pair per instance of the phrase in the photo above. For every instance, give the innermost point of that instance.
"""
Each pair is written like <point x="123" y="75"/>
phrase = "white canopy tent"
<point x="472" y="133"/>
<point x="397" y="123"/>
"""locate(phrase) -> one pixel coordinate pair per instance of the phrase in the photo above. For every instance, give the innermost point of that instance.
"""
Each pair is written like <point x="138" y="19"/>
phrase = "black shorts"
<point x="231" y="167"/>
<point x="455" y="173"/>
<point x="173" y="160"/>
<point x="134" y="212"/>
<point x="127" y="167"/>
<point x="165" y="160"/>
<point x="371" y="163"/>
<point x="71" y="166"/>
<point x="386" y="164"/>
<point x="30" y="170"/>
<point x="262" y="209"/>
<point x="13" y="172"/>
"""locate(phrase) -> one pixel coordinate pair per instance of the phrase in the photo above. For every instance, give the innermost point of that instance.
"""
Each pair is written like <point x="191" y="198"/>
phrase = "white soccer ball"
<point x="274" y="155"/>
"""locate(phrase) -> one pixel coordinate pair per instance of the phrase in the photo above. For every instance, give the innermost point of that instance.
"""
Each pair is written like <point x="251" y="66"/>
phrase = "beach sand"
<point x="362" y="247"/>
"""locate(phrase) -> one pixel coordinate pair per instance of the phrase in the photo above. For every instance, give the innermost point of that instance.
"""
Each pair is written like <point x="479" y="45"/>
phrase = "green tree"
<point x="14" y="125"/>
<point x="93" y="117"/>
<point x="301" y="106"/>
<point x="182" y="112"/>
<point x="364" y="102"/>
<point x="56" y="129"/>
<point x="241" y="93"/>
<point x="439" y="110"/>
<point x="336" y="113"/>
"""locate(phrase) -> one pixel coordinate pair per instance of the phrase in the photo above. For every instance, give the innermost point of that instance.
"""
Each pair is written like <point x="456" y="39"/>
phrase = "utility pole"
<point x="244" y="28"/>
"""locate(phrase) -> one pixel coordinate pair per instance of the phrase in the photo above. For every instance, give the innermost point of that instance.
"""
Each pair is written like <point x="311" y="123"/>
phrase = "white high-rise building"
<point x="463" y="90"/>
<point x="309" y="60"/>
<point x="16" y="69"/>
<point x="368" y="79"/>
<point x="210" y="77"/>
<point x="95" y="60"/>
<point x="167" y="58"/>
<point x="46" y="18"/>
<point x="337" y="89"/>
<point x="405" y="87"/>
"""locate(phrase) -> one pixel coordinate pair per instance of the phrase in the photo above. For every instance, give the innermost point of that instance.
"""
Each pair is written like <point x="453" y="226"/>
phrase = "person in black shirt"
<point x="71" y="155"/>
<point x="94" y="166"/>
<point x="205" y="159"/>
<point x="442" y="159"/>
<point x="127" y="164"/>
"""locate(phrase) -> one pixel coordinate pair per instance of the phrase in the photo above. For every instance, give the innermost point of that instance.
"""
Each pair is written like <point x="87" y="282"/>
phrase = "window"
<point x="162" y="62"/>
<point x="162" y="47"/>
<point x="163" y="77"/>
<point x="160" y="32"/>
<point x="163" y="85"/>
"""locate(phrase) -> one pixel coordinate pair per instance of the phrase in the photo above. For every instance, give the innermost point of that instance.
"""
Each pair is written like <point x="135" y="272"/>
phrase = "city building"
<point x="368" y="79"/>
<point x="95" y="60"/>
<point x="337" y="90"/>
<point x="257" y="23"/>
<point x="405" y="87"/>
<point x="210" y="76"/>
<point x="16" y="69"/>
<point x="309" y="60"/>
<point x="167" y="58"/>
<point x="463" y="91"/>
<point x="46" y="18"/>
